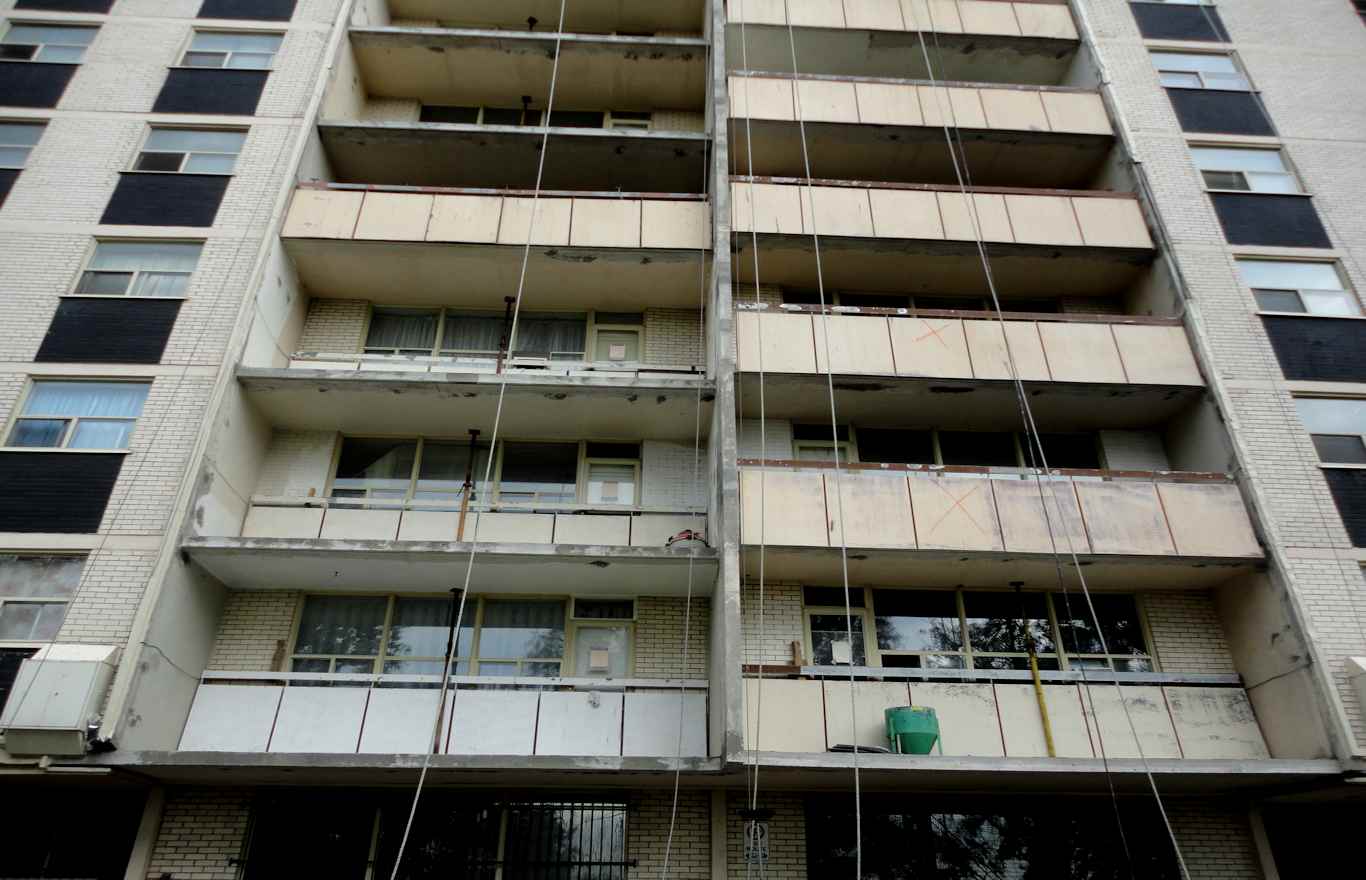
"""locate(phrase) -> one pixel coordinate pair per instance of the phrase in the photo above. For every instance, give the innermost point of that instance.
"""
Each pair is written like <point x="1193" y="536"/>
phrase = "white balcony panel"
<point x="1215" y="723"/>
<point x="876" y="509"/>
<point x="283" y="522"/>
<point x="400" y="721"/>
<point x="1051" y="21"/>
<point x="605" y="223"/>
<point x="471" y="219"/>
<point x="493" y="723"/>
<point x="887" y="104"/>
<point x="990" y="217"/>
<point x="758" y="97"/>
<point x="952" y="106"/>
<point x="856" y="345"/>
<point x="1110" y="721"/>
<point x="1024" y="528"/>
<point x="682" y="225"/>
<point x="954" y="512"/>
<point x="1208" y="519"/>
<point x="350" y="524"/>
<point x="1081" y="352"/>
<point x="655" y="529"/>
<point x="905" y="213"/>
<point x="579" y="723"/>
<point x="968" y="722"/>
<point x="1079" y="112"/>
<point x="512" y="528"/>
<point x="988" y="17"/>
<point x="322" y="214"/>
<point x="552" y="221"/>
<point x="866" y="710"/>
<point x="584" y="528"/>
<point x="934" y="347"/>
<point x="320" y="720"/>
<point x="815" y="13"/>
<point x="1018" y="109"/>
<point x="651" y="725"/>
<point x="1125" y="517"/>
<point x="826" y="101"/>
<point x="775" y="343"/>
<point x="783" y="507"/>
<point x="432" y="525"/>
<point x="1022" y="723"/>
<point x="883" y="15"/>
<point x="231" y="718"/>
<point x="785" y="715"/>
<point x="1107" y="222"/>
<point x="1043" y="220"/>
<point x="766" y="208"/>
<point x="932" y="15"/>
<point x="836" y="211"/>
<point x="1156" y="355"/>
<point x="394" y="216"/>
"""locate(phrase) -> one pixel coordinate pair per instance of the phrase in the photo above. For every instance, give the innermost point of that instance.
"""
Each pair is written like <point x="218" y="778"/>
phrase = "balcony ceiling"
<point x="427" y="154"/>
<point x="580" y="16"/>
<point x="480" y="276"/>
<point x="466" y="67"/>
<point x="960" y="57"/>
<point x="435" y="404"/>
<point x="919" y="154"/>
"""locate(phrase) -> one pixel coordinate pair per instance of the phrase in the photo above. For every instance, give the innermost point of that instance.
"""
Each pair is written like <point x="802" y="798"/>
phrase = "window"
<point x="79" y="415"/>
<point x="1296" y="286"/>
<point x="1246" y="170"/>
<point x="57" y="44"/>
<point x="190" y="151"/>
<point x="1180" y="70"/>
<point x="539" y="473"/>
<point x="818" y="442"/>
<point x="628" y="119"/>
<point x="603" y="635"/>
<point x="34" y="592"/>
<point x="1179" y="20"/>
<point x="17" y="140"/>
<point x="260" y="10"/>
<point x="1004" y="449"/>
<point x="388" y="472"/>
<point x="617" y="337"/>
<point x="612" y="473"/>
<point x="235" y="51"/>
<point x="1338" y="427"/>
<point x="135" y="268"/>
<point x="415" y="332"/>
<point x="974" y="629"/>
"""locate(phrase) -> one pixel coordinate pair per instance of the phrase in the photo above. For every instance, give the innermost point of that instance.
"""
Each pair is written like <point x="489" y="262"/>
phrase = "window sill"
<point x="1271" y="314"/>
<point x="118" y="296"/>
<point x="1252" y="192"/>
<point x="63" y="449"/>
<point x="1341" y="466"/>
<point x="177" y="173"/>
<point x="234" y="69"/>
<point x="36" y="61"/>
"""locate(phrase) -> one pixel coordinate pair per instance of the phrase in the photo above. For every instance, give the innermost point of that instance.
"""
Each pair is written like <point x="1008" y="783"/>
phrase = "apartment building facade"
<point x="703" y="379"/>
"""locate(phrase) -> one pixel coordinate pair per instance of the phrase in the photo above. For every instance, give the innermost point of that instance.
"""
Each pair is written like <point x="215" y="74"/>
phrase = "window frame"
<point x="1286" y="164"/>
<point x="1349" y="294"/>
<point x="44" y="600"/>
<point x="28" y="149"/>
<point x="92" y="251"/>
<point x="227" y="54"/>
<point x="444" y="314"/>
<point x="38" y="47"/>
<point x="186" y="154"/>
<point x="1361" y="437"/>
<point x="1204" y="85"/>
<point x="72" y="422"/>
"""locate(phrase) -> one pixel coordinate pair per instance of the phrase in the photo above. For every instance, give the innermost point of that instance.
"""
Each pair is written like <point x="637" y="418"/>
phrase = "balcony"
<point x="889" y="236"/>
<point x="270" y="712"/>
<point x="972" y="40"/>
<point x="581" y="16"/>
<point x="882" y="129"/>
<point x="983" y="526"/>
<point x="445" y="247"/>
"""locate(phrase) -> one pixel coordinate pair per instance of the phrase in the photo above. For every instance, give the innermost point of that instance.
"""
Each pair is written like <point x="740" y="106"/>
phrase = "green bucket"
<point x="911" y="730"/>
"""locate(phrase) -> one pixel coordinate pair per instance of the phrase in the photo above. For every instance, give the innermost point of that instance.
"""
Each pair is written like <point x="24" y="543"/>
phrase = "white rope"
<point x="493" y="446"/>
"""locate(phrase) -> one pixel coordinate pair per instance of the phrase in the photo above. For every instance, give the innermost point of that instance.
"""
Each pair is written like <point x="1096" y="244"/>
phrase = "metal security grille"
<point x="565" y="841"/>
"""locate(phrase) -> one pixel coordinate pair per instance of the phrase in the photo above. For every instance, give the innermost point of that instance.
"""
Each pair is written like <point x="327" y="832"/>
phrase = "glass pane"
<point x="1222" y="159"/>
<point x="1325" y="415"/>
<point x="892" y="446"/>
<point x="540" y="471"/>
<point x="617" y="345"/>
<point x="441" y="473"/>
<point x="812" y="450"/>
<point x="402" y="328"/>
<point x="353" y="666"/>
<point x="101" y="434"/>
<point x="160" y="162"/>
<point x="49" y="577"/>
<point x="19" y="134"/>
<point x="611" y="484"/>
<point x="1225" y="180"/>
<point x="983" y="448"/>
<point x="541" y="670"/>
<point x="37" y="432"/>
<point x="912" y="620"/>
<point x="186" y="140"/>
<point x="830" y="635"/>
<point x="577" y="118"/>
<point x="832" y="597"/>
<point x="515" y="629"/>
<point x="19" y="620"/>
<point x="11" y="52"/>
<point x="13" y="157"/>
<point x="1338" y="449"/>
<point x="604" y="609"/>
<point x="1179" y="80"/>
<point x="1119" y="624"/>
<point x="553" y="336"/>
<point x="383" y="467"/>
<point x="449" y="114"/>
<point x="1272" y="182"/>
<point x="205" y="59"/>
<point x="209" y="163"/>
<point x="1289" y="275"/>
<point x="249" y="61"/>
<point x="304" y="664"/>
<point x="502" y="670"/>
<point x="1194" y="61"/>
<point x="420" y="628"/>
<point x="1330" y="302"/>
<point x="602" y="650"/>
<point x="235" y="42"/>
<point x="161" y="284"/>
<point x="503" y="116"/>
<point x="32" y="33"/>
<point x="87" y="398"/>
<point x="1067" y="450"/>
<point x="1279" y="300"/>
<point x="135" y="255"/>
<point x="473" y="333"/>
<point x="104" y="283"/>
<point x="995" y="622"/>
<point x="341" y="625"/>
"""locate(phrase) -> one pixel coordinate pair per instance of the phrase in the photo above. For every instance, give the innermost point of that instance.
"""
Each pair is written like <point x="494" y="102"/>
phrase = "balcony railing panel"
<point x="985" y="17"/>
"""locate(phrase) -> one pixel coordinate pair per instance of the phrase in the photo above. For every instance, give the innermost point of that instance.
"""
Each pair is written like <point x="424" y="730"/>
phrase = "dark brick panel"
<point x="1164" y="21"/>
<point x="1270" y="220"/>
<point x="147" y="199"/>
<point x="1217" y="112"/>
<point x="33" y="83"/>
<point x="1349" y="491"/>
<point x="254" y="10"/>
<point x="1319" y="349"/>
<point x="211" y="90"/>
<point x="98" y="7"/>
<point x="7" y="178"/>
<point x="126" y="330"/>
<point x="56" y="491"/>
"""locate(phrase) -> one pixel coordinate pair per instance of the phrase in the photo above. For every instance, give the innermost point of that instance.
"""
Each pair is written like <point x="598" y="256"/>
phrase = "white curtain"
<point x="87" y="399"/>
<point x="409" y="329"/>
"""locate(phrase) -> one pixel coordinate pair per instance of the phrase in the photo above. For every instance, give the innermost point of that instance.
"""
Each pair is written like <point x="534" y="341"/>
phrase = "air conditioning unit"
<point x="56" y="697"/>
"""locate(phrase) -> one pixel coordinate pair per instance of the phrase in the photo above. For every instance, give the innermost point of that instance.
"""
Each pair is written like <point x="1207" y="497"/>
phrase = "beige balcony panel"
<point x="930" y="347"/>
<point x="1014" y="109"/>
<point x="231" y="718"/>
<point x="433" y="525"/>
<point x="682" y="225"/>
<point x="784" y="715"/>
<point x="758" y="97"/>
<point x="650" y="727"/>
<point x="888" y="104"/>
<point x="1112" y="222"/>
<point x="1052" y="21"/>
<point x="512" y="528"/>
<point x="1081" y="352"/>
<point x="471" y="219"/>
<point x="766" y="208"/>
<point x="987" y="345"/>
<point x="585" y="528"/>
<point x="398" y="721"/>
<point x="931" y="15"/>
<point x="552" y="221"/>
<point x="605" y="223"/>
<point x="905" y="213"/>
<point x="968" y="724"/>
<point x="1076" y="112"/>
<point x="1109" y="722"/>
<point x="1215" y="723"/>
<point x="394" y="216"/>
<point x="487" y="722"/>
<point x="875" y="15"/>
<point x="1022" y="723"/>
<point x="876" y="510"/>
<point x="317" y="213"/>
<point x="837" y="210"/>
<point x="349" y="524"/>
<point x="283" y="522"/>
<point x="1155" y="355"/>
<point x="655" y="529"/>
<point x="863" y="716"/>
<point x="1043" y="220"/>
<point x="816" y="13"/>
<point x="857" y="345"/>
<point x="757" y="11"/>
<point x="1209" y="519"/>
<point x="952" y="106"/>
<point x="1124" y="517"/>
<point x="954" y="513"/>
<point x="991" y="217"/>
<point x="319" y="720"/>
<point x="824" y="101"/>
<point x="792" y="506"/>
<point x="988" y="17"/>
<point x="577" y="723"/>
<point x="775" y="343"/>
<point x="1022" y="512"/>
